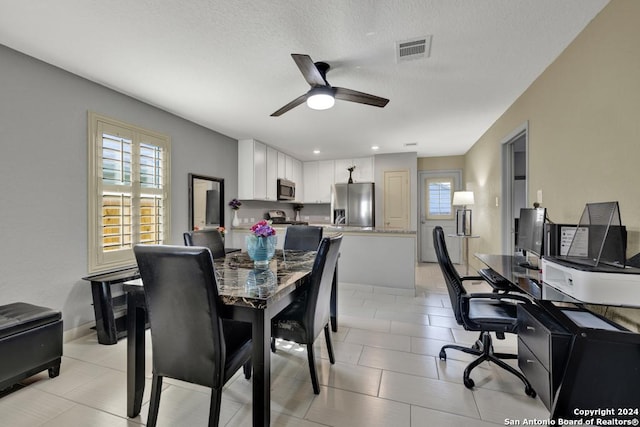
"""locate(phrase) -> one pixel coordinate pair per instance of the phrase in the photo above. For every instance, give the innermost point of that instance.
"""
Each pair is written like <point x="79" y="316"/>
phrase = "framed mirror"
<point x="206" y="202"/>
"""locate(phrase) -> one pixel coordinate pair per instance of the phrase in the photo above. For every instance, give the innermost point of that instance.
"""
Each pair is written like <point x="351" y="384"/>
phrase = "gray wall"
<point x="43" y="178"/>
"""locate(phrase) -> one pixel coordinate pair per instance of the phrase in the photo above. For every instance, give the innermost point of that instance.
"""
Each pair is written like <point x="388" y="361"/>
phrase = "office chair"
<point x="302" y="237"/>
<point x="189" y="339"/>
<point x="483" y="312"/>
<point x="304" y="319"/>
<point x="210" y="238"/>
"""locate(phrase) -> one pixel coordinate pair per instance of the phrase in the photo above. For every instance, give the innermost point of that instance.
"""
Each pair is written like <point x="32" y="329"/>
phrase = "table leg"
<point x="261" y="360"/>
<point x="136" y="314"/>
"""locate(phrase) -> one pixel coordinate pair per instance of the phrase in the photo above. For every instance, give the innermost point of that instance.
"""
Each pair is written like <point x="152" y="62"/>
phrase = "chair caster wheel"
<point x="529" y="391"/>
<point x="468" y="383"/>
<point x="443" y="355"/>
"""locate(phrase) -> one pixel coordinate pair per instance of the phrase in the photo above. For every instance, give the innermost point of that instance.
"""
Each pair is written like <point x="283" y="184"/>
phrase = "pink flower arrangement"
<point x="262" y="229"/>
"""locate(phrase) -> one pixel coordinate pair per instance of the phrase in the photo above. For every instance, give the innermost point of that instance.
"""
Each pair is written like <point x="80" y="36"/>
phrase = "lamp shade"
<point x="320" y="98"/>
<point x="462" y="198"/>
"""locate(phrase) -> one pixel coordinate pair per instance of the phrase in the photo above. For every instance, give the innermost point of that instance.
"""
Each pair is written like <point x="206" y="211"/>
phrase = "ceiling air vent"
<point x="417" y="48"/>
<point x="411" y="144"/>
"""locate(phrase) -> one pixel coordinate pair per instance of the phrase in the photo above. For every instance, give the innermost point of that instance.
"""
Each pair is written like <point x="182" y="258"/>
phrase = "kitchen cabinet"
<point x="286" y="166"/>
<point x="362" y="173"/>
<point x="272" y="174"/>
<point x="317" y="180"/>
<point x="298" y="179"/>
<point x="257" y="170"/>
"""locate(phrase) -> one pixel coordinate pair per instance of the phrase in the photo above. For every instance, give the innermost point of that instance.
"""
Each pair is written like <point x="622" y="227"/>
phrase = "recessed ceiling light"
<point x="316" y="151"/>
<point x="375" y="147"/>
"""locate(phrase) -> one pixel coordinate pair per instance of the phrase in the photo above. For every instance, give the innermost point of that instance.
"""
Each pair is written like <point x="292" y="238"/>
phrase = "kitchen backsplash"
<point x="252" y="211"/>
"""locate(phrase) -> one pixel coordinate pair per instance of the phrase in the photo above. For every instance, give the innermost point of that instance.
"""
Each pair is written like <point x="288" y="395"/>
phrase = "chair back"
<point x="182" y="302"/>
<point x="210" y="238"/>
<point x="451" y="276"/>
<point x="303" y="237"/>
<point x="319" y="293"/>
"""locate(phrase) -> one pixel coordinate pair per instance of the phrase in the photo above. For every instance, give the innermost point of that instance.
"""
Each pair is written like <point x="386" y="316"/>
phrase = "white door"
<point x="396" y="199"/>
<point x="436" y="193"/>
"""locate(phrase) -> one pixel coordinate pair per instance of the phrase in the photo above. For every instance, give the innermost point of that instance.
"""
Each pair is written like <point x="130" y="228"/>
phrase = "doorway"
<point x="515" y="183"/>
<point x="435" y="193"/>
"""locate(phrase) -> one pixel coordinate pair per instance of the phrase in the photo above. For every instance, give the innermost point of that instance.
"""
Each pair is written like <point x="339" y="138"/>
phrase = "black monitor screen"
<point x="531" y="230"/>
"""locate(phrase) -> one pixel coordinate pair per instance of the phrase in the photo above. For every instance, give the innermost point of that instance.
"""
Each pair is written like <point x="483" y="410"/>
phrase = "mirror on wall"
<point x="206" y="202"/>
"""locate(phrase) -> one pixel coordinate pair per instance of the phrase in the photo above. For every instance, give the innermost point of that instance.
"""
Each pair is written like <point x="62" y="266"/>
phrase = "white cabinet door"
<point x="310" y="182"/>
<point x="362" y="173"/>
<point x="271" y="174"/>
<point x="259" y="170"/>
<point x="289" y="168"/>
<point x="298" y="179"/>
<point x="282" y="165"/>
<point x="341" y="173"/>
<point x="364" y="169"/>
<point x="318" y="179"/>
<point x="252" y="170"/>
<point x="325" y="180"/>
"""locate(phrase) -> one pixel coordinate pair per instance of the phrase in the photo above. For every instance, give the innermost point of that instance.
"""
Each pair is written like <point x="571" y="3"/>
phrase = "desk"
<point x="248" y="295"/>
<point x="598" y="367"/>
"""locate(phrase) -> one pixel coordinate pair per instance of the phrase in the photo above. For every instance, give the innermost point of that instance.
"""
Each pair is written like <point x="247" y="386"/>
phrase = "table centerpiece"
<point x="261" y="243"/>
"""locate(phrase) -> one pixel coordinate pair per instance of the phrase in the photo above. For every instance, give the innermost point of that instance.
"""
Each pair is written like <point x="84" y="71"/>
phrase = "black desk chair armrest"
<point x="520" y="298"/>
<point x="476" y="278"/>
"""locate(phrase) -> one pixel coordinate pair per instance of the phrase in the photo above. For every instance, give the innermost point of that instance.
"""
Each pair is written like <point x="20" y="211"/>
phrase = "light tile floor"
<point x="387" y="373"/>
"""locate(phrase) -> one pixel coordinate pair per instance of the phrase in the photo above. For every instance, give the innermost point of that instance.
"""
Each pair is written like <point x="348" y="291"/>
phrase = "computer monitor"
<point x="531" y="234"/>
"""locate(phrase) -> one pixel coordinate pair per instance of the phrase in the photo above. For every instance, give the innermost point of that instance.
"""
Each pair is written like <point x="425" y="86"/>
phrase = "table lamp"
<point x="463" y="215"/>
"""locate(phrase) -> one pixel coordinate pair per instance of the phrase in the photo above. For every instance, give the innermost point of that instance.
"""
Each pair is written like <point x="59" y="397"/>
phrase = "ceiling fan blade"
<point x="309" y="70"/>
<point x="299" y="100"/>
<point x="359" y="97"/>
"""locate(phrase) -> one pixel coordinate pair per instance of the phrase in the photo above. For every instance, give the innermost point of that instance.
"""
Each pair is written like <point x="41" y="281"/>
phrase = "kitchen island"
<point x="370" y="255"/>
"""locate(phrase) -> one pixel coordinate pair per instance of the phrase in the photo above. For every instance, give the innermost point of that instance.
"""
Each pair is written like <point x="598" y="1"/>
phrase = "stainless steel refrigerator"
<point x="353" y="204"/>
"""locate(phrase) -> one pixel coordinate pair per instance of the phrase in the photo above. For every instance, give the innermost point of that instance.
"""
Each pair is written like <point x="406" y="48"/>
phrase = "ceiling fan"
<point x="322" y="95"/>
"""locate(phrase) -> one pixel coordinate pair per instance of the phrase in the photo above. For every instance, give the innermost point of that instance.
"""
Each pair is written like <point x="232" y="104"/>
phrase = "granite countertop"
<point x="342" y="229"/>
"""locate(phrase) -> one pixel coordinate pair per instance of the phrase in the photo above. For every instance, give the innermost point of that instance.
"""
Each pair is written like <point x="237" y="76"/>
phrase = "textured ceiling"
<point x="226" y="65"/>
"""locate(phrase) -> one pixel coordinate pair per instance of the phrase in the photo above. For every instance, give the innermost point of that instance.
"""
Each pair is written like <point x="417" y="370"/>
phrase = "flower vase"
<point x="297" y="215"/>
<point x="261" y="249"/>
<point x="236" y="220"/>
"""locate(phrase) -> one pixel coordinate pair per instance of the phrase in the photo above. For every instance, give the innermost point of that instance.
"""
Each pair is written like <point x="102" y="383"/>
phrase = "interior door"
<point x="436" y="193"/>
<point x="514" y="184"/>
<point x="396" y="199"/>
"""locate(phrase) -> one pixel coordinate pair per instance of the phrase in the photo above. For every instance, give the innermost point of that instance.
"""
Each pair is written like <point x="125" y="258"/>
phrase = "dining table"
<point x="247" y="293"/>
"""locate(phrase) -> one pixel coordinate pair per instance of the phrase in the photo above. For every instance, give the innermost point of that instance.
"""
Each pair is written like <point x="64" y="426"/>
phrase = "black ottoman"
<point x="30" y="342"/>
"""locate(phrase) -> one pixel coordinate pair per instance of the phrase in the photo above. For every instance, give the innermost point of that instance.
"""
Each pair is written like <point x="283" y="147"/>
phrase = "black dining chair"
<point x="483" y="312"/>
<point x="302" y="237"/>
<point x="304" y="319"/>
<point x="210" y="238"/>
<point x="189" y="339"/>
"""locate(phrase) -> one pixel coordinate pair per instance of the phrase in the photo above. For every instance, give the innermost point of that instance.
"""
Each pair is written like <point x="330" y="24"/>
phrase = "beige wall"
<point x="441" y="163"/>
<point x="584" y="131"/>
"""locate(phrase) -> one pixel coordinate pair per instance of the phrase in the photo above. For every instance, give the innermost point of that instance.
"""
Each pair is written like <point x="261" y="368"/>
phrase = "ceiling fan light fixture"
<point x="320" y="98"/>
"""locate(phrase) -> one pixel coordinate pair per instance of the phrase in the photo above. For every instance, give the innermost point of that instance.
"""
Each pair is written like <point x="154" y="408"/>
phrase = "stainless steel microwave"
<point x="286" y="190"/>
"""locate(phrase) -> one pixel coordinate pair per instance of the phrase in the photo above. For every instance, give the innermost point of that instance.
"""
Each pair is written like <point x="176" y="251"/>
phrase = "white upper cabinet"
<point x="257" y="170"/>
<point x="362" y="173"/>
<point x="317" y="180"/>
<point x="298" y="179"/>
<point x="285" y="166"/>
<point x="272" y="174"/>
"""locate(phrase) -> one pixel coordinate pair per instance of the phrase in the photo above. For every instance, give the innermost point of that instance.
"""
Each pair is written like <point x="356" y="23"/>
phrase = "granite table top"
<point x="240" y="283"/>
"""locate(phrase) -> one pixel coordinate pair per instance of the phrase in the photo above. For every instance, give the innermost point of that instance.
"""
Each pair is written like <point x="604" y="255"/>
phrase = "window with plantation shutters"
<point x="128" y="191"/>
<point x="439" y="198"/>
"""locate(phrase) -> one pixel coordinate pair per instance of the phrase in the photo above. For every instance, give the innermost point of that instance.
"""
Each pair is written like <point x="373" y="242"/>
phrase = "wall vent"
<point x="418" y="48"/>
<point x="411" y="144"/>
